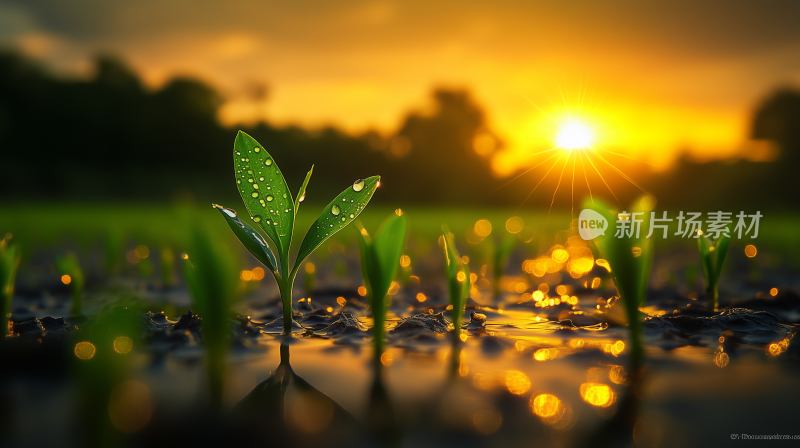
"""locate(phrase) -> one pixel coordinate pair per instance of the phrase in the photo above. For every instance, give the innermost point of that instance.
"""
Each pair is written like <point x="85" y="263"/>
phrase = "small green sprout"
<point x="271" y="205"/>
<point x="631" y="259"/>
<point x="500" y="261"/>
<point x="212" y="280"/>
<point x="712" y="255"/>
<point x="72" y="276"/>
<point x="457" y="277"/>
<point x="9" y="262"/>
<point x="380" y="259"/>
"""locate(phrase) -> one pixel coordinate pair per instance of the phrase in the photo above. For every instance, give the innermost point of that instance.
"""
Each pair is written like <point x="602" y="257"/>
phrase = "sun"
<point x="574" y="136"/>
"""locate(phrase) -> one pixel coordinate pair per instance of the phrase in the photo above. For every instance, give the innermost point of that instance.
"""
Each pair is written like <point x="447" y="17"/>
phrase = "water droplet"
<point x="268" y="162"/>
<point x="238" y="181"/>
<point x="257" y="218"/>
<point x="286" y="211"/>
<point x="267" y="221"/>
<point x="254" y="194"/>
<point x="250" y="180"/>
<point x="302" y="198"/>
<point x="358" y="185"/>
<point x="238" y="153"/>
<point x="352" y="216"/>
<point x="242" y="159"/>
<point x="269" y="198"/>
<point x="284" y="195"/>
<point x="255" y="186"/>
<point x="257" y="149"/>
<point x="343" y="218"/>
<point x="344" y="199"/>
<point x="335" y="209"/>
<point x="249" y="171"/>
<point x="261" y="178"/>
<point x="263" y="204"/>
<point x="227" y="211"/>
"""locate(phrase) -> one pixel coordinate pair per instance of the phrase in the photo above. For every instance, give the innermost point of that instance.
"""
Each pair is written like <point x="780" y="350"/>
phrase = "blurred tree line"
<point x="110" y="137"/>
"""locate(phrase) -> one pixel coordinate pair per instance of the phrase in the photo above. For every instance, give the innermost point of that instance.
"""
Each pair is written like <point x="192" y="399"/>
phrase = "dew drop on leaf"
<point x="352" y="216"/>
<point x="257" y="218"/>
<point x="255" y="186"/>
<point x="335" y="209"/>
<point x="284" y="195"/>
<point x="238" y="181"/>
<point x="358" y="185"/>
<point x="257" y="149"/>
<point x="261" y="178"/>
<point x="302" y="198"/>
<point x="268" y="162"/>
<point x="269" y="198"/>
<point x="254" y="194"/>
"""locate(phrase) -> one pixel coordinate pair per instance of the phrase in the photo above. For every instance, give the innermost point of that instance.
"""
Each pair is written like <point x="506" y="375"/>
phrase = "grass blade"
<point x="337" y="215"/>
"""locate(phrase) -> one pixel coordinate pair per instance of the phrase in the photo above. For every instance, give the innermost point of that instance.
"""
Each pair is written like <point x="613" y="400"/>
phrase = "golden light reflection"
<point x="85" y="350"/>
<point x="617" y="375"/>
<point x="750" y="251"/>
<point x="362" y="291"/>
<point x="551" y="410"/>
<point x="773" y="292"/>
<point x="130" y="406"/>
<point x="341" y="301"/>
<point x="310" y="268"/>
<point x="246" y="275"/>
<point x="721" y="358"/>
<point x="123" y="344"/>
<point x="595" y="282"/>
<point x="394" y="288"/>
<point x="597" y="394"/>
<point x="483" y="228"/>
<point x="258" y="274"/>
<point x="421" y="297"/>
<point x="405" y="261"/>
<point x="387" y="359"/>
<point x="514" y="224"/>
<point x="603" y="264"/>
<point x="66" y="279"/>
<point x="517" y="382"/>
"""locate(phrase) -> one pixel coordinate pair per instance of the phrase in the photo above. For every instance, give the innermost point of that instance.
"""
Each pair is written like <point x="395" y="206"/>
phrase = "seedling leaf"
<point x="337" y="215"/>
<point x="458" y="287"/>
<point x="251" y="239"/>
<point x="264" y="190"/>
<point x="387" y="247"/>
<point x="302" y="193"/>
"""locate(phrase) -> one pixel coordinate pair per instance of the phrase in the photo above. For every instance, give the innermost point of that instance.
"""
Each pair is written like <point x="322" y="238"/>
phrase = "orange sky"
<point x="671" y="75"/>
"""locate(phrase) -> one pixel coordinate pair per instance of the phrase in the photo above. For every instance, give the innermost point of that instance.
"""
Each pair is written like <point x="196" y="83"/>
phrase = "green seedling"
<point x="630" y="259"/>
<point x="712" y="256"/>
<point x="379" y="262"/>
<point x="500" y="261"/>
<point x="9" y="262"/>
<point x="212" y="279"/>
<point x="271" y="206"/>
<point x="72" y="276"/>
<point x="457" y="278"/>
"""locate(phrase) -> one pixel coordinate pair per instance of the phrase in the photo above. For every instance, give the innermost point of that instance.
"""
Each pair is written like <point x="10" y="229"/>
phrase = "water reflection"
<point x="286" y="408"/>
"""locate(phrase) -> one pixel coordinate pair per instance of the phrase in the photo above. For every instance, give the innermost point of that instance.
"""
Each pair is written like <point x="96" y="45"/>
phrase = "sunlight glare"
<point x="574" y="136"/>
